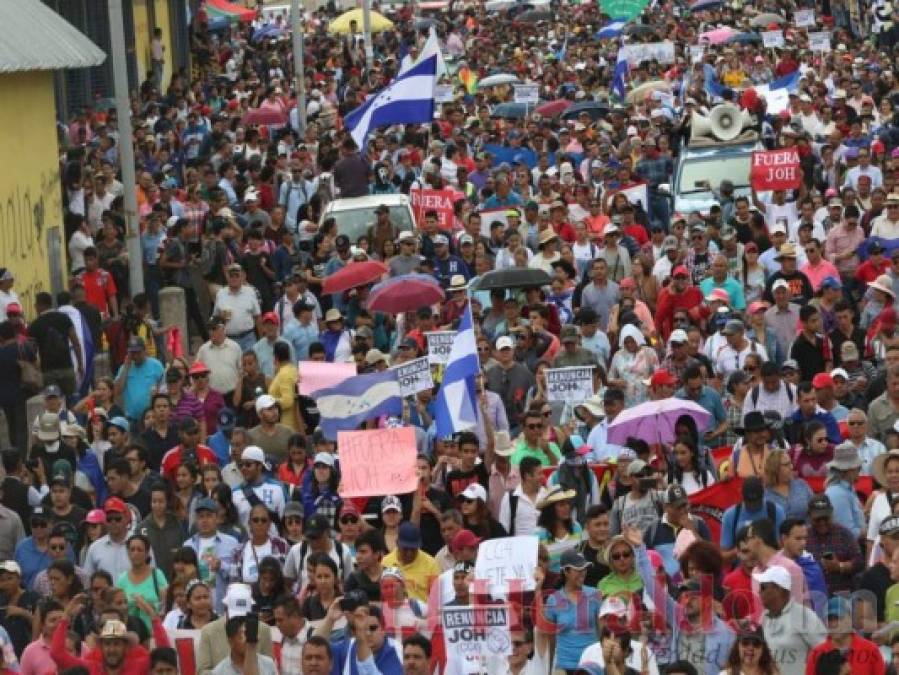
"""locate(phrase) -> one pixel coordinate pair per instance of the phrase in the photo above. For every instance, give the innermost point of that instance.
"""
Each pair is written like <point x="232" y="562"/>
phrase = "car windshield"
<point x="354" y="222"/>
<point x="714" y="169"/>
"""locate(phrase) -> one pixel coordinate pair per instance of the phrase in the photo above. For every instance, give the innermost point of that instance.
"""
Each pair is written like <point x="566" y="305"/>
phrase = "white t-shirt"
<point x="729" y="359"/>
<point x="880" y="511"/>
<point x="77" y="245"/>
<point x="786" y="213"/>
<point x="250" y="563"/>
<point x="593" y="654"/>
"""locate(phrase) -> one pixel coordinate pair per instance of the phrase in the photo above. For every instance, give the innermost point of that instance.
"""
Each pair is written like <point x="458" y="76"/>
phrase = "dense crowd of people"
<point x="195" y="489"/>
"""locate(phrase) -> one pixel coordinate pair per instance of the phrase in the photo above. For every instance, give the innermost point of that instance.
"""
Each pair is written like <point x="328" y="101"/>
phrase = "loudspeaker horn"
<point x="727" y="121"/>
<point x="700" y="125"/>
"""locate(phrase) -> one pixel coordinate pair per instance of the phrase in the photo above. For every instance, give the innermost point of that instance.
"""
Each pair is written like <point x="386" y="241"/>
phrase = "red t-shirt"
<point x="739" y="602"/>
<point x="863" y="656"/>
<point x="99" y="287"/>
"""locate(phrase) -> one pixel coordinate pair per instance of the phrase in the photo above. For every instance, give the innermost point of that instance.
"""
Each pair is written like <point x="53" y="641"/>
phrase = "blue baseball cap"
<point x="206" y="504"/>
<point x="119" y="422"/>
<point x="831" y="282"/>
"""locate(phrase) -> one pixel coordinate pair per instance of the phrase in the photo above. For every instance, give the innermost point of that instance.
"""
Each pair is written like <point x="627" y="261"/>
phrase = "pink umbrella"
<point x="263" y="116"/>
<point x="718" y="36"/>
<point x="405" y="293"/>
<point x="553" y="108"/>
<point x="654" y="421"/>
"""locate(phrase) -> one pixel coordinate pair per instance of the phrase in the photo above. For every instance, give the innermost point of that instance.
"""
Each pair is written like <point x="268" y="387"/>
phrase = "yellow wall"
<point x="161" y="7"/>
<point x="30" y="192"/>
<point x="142" y="35"/>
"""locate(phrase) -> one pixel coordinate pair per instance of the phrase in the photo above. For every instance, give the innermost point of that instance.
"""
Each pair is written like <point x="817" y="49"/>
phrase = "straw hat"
<point x="878" y="466"/>
<point x="883" y="283"/>
<point x="555" y="494"/>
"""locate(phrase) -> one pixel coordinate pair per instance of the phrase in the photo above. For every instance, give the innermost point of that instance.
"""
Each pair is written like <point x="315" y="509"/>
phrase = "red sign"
<point x="776" y="169"/>
<point x="440" y="201"/>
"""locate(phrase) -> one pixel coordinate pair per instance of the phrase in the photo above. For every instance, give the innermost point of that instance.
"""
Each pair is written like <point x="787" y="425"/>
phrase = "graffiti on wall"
<point x="27" y="210"/>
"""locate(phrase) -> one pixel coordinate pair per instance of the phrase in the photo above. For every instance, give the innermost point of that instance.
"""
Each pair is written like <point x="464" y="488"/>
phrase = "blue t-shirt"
<point x="575" y="623"/>
<point x="729" y="528"/>
<point x="139" y="386"/>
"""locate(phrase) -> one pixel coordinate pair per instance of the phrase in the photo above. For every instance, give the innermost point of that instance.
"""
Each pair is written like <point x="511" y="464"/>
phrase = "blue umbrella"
<point x="268" y="31"/>
<point x="745" y="39"/>
<point x="511" y="111"/>
<point x="705" y="4"/>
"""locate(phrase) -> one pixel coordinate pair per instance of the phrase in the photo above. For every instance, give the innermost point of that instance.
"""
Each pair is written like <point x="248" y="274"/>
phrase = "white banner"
<point x="573" y="384"/>
<point x="804" y="18"/>
<point x="414" y="376"/>
<point x="526" y="93"/>
<point x="772" y="39"/>
<point x="663" y="52"/>
<point x="474" y="633"/>
<point x="696" y="53"/>
<point x="778" y="100"/>
<point x="819" y="41"/>
<point x="439" y="345"/>
<point x="443" y="93"/>
<point x="637" y="193"/>
<point x="500" y="560"/>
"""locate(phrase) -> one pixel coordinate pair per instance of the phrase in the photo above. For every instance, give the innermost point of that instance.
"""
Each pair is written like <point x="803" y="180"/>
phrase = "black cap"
<point x="316" y="526"/>
<point x="819" y="505"/>
<point x="676" y="496"/>
<point x="353" y="600"/>
<point x="342" y="241"/>
<point x="188" y="424"/>
<point x="753" y="490"/>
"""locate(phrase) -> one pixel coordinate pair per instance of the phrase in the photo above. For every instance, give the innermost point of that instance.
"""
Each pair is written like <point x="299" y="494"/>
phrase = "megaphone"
<point x="727" y="121"/>
<point x="700" y="125"/>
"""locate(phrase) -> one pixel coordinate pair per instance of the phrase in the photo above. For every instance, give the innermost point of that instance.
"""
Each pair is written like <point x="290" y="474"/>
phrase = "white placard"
<point x="572" y="384"/>
<point x="819" y="41"/>
<point x="778" y="100"/>
<point x="696" y="53"/>
<point x="663" y="52"/>
<point x="804" y="18"/>
<point x="439" y="345"/>
<point x="773" y="39"/>
<point x="526" y="93"/>
<point x="444" y="93"/>
<point x="414" y="376"/>
<point x="474" y="633"/>
<point x="505" y="559"/>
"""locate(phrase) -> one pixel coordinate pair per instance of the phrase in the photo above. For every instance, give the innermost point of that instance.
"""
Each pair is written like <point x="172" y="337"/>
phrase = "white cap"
<point x="474" y="491"/>
<point x="780" y="283"/>
<point x="265" y="401"/>
<point x="775" y="575"/>
<point x="406" y="234"/>
<point x="253" y="453"/>
<point x="504" y="342"/>
<point x="778" y="228"/>
<point x="170" y="223"/>
<point x="251" y="196"/>
<point x="323" y="458"/>
<point x="678" y="335"/>
<point x="614" y="606"/>
<point x="839" y="372"/>
<point x="391" y="503"/>
<point x="238" y="600"/>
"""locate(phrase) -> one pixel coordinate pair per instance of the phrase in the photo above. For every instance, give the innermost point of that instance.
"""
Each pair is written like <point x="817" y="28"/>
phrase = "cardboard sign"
<point x="526" y="93"/>
<point x="500" y="560"/>
<point x="440" y="201"/>
<point x="377" y="462"/>
<point x="772" y="39"/>
<point x="444" y="93"/>
<point x="696" y="53"/>
<point x="635" y="54"/>
<point x="440" y="343"/>
<point x="474" y="633"/>
<point x="804" y="17"/>
<point x="819" y="41"/>
<point x="573" y="384"/>
<point x="776" y="170"/>
<point x="414" y="376"/>
<point x="315" y="375"/>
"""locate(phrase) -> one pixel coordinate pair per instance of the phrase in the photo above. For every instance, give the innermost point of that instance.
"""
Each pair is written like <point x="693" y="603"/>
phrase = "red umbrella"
<point x="354" y="274"/>
<point x="405" y="293"/>
<point x="264" y="116"/>
<point x="553" y="108"/>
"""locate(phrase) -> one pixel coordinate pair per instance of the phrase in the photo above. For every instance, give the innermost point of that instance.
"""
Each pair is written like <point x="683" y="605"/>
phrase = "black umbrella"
<point x="635" y="29"/>
<point x="596" y="109"/>
<point x="534" y="15"/>
<point x="513" y="277"/>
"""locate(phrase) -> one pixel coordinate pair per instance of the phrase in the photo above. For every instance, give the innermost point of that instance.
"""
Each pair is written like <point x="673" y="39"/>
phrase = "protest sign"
<point x="377" y="462"/>
<point x="440" y="201"/>
<point x="696" y="53"/>
<point x="504" y="559"/>
<point x="569" y="384"/>
<point x="776" y="169"/>
<point x="526" y="93"/>
<point x="187" y="645"/>
<point x="414" y="376"/>
<point x="635" y="54"/>
<point x="636" y="193"/>
<point x="778" y="100"/>
<point x="443" y="93"/>
<point x="315" y="375"/>
<point x="819" y="41"/>
<point x="489" y="216"/>
<point x="474" y="633"/>
<point x="772" y="39"/>
<point x="439" y="344"/>
<point x="804" y="17"/>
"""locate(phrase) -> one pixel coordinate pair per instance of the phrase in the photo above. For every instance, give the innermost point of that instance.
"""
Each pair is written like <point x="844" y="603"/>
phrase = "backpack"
<point x="618" y="504"/>
<point x="757" y="391"/>
<point x="338" y="547"/>
<point x="769" y="508"/>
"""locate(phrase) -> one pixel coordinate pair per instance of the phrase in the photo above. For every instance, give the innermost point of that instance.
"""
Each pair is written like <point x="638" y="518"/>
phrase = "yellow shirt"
<point x="418" y="575"/>
<point x="283" y="388"/>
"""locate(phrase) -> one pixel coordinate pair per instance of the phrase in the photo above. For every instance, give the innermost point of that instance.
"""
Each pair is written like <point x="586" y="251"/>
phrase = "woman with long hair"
<point x="198" y="606"/>
<point x="93" y="527"/>
<point x="750" y="655"/>
<point x="784" y="489"/>
<point x="323" y="587"/>
<point x="175" y="602"/>
<point x="228" y="518"/>
<point x="647" y="287"/>
<point x="143" y="579"/>
<point x="260" y="544"/>
<point x="391" y="517"/>
<point x="165" y="532"/>
<point x="885" y="470"/>
<point x="319" y="489"/>
<point x="64" y="581"/>
<point x="737" y="387"/>
<point x="557" y="529"/>
<point x="687" y="468"/>
<point x="268" y="588"/>
<point x="210" y="478"/>
<point x="102" y="396"/>
<point x="186" y="492"/>
<point x="476" y="514"/>
<point x="753" y="273"/>
<point x="623" y="580"/>
<point x="810" y="459"/>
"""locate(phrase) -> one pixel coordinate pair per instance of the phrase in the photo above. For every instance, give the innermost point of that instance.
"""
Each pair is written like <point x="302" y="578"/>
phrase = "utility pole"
<point x="126" y="145"/>
<point x="298" y="26"/>
<point x="366" y="32"/>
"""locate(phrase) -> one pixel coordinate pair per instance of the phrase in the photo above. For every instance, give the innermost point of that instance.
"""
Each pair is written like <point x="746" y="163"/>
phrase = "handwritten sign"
<point x="804" y="17"/>
<point x="696" y="53"/>
<point x="819" y="41"/>
<point x="526" y="93"/>
<point x="773" y="39"/>
<point x="439" y="345"/>
<point x="315" y="375"/>
<point x="776" y="169"/>
<point x="440" y="201"/>
<point x="474" y="633"/>
<point x="443" y="93"/>
<point x="414" y="376"/>
<point x="377" y="462"/>
<point x="569" y="384"/>
<point x="490" y="216"/>
<point x="663" y="52"/>
<point x="504" y="559"/>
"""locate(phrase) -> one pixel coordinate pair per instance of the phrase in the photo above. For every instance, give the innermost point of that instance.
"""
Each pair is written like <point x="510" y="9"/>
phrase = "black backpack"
<point x="769" y="507"/>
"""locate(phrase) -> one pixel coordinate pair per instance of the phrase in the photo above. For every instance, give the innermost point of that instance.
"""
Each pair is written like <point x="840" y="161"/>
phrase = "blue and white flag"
<point x="409" y="99"/>
<point x="611" y="30"/>
<point x="456" y="406"/>
<point x="358" y="399"/>
<point x="619" y="79"/>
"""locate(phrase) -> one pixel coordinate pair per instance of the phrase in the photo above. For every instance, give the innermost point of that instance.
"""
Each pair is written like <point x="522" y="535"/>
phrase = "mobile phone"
<point x="251" y="628"/>
<point x="828" y="555"/>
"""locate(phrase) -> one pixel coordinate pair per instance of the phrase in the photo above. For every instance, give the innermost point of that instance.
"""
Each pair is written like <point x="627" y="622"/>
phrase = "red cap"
<point x="822" y="380"/>
<point x="464" y="538"/>
<point x="661" y="378"/>
<point x="878" y="148"/>
<point x="233" y="104"/>
<point x="270" y="317"/>
<point x="13" y="308"/>
<point x="349" y="507"/>
<point x="680" y="270"/>
<point x="627" y="282"/>
<point x="198" y="368"/>
<point x="116" y="505"/>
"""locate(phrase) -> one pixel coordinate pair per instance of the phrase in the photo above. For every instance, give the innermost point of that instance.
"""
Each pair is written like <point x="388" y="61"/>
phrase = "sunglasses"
<point x="39" y="523"/>
<point x="57" y="547"/>
<point x="624" y="555"/>
<point x="199" y="376"/>
<point x="259" y="520"/>
<point x="346" y="520"/>
<point x="534" y="426"/>
<point x="114" y="519"/>
<point x="750" y="642"/>
<point x="518" y="643"/>
<point x="855" y="423"/>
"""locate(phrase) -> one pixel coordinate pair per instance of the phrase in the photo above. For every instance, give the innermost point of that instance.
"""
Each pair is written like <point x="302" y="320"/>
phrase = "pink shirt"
<point x="819" y="272"/>
<point x="799" y="591"/>
<point x="36" y="659"/>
